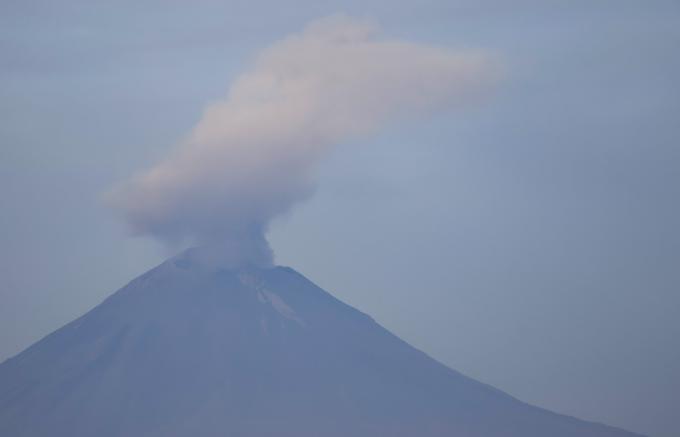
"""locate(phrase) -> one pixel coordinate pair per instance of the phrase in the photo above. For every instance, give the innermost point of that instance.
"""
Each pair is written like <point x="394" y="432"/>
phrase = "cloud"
<point x="251" y="157"/>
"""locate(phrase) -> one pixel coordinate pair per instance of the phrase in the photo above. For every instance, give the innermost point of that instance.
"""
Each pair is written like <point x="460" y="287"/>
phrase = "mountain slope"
<point x="190" y="349"/>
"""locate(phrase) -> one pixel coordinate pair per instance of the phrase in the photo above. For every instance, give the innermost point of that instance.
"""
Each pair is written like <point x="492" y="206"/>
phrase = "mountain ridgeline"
<point x="193" y="349"/>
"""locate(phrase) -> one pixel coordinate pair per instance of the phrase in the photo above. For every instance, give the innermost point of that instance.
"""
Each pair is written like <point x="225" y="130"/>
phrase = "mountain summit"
<point x="196" y="349"/>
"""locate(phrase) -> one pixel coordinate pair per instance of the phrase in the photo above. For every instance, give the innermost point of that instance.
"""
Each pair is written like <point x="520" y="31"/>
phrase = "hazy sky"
<point x="529" y="241"/>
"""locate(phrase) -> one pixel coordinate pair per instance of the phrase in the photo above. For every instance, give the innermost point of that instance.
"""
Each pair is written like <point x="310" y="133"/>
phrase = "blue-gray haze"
<point x="530" y="242"/>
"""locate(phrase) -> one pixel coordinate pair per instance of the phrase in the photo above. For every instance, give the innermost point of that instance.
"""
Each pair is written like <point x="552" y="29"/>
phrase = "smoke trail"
<point x="251" y="156"/>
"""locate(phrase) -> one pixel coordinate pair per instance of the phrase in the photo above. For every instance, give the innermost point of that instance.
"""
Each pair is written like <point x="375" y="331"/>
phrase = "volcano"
<point x="193" y="348"/>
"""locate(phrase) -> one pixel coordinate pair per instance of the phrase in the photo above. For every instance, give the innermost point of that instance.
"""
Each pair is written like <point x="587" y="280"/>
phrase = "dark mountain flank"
<point x="191" y="349"/>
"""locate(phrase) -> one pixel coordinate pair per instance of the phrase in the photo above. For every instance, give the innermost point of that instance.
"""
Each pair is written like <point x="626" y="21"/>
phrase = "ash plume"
<point x="251" y="156"/>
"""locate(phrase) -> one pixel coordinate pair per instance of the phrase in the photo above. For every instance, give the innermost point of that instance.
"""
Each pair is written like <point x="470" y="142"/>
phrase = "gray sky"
<point x="530" y="242"/>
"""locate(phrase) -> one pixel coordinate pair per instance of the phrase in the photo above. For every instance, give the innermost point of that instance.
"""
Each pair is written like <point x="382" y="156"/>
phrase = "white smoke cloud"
<point x="251" y="156"/>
